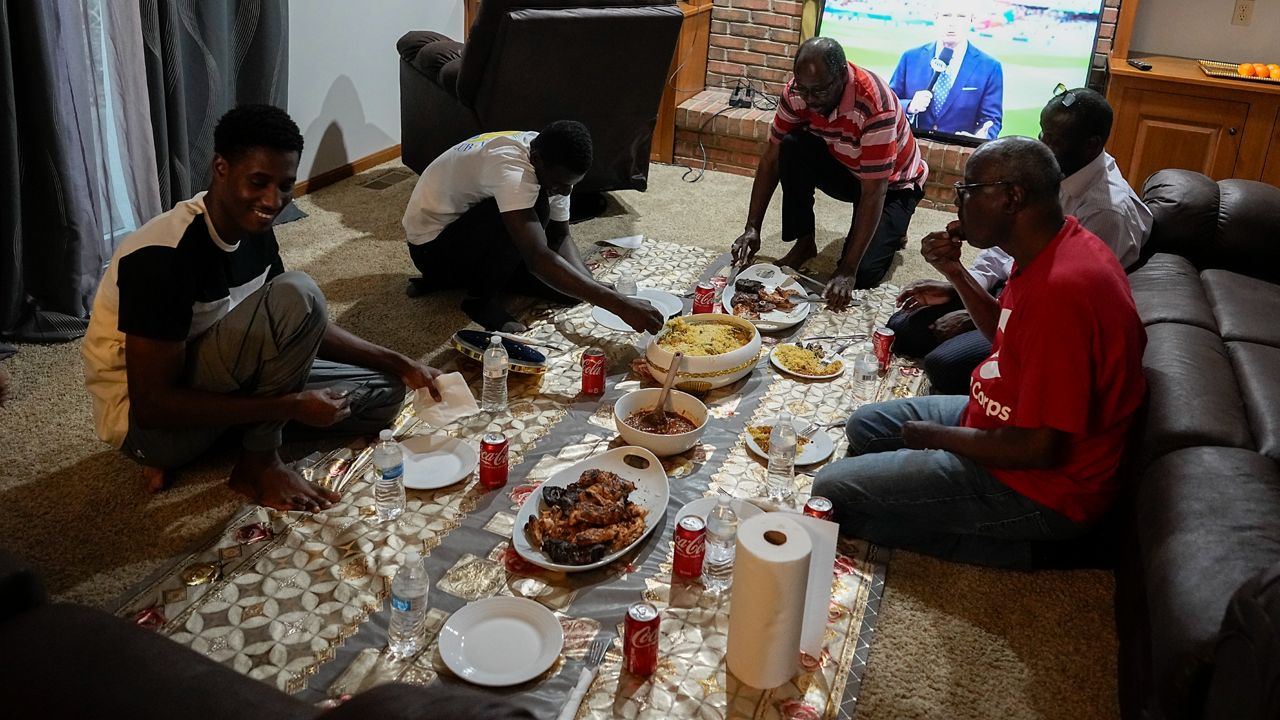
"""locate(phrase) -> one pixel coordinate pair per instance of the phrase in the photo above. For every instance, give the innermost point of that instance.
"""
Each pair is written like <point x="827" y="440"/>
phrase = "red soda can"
<point x="882" y="343"/>
<point x="819" y="507"/>
<point x="640" y="639"/>
<point x="704" y="298"/>
<point x="493" y="460"/>
<point x="691" y="547"/>
<point x="593" y="371"/>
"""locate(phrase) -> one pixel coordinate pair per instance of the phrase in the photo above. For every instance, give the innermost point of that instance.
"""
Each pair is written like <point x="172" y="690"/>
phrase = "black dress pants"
<point x="476" y="253"/>
<point x="805" y="166"/>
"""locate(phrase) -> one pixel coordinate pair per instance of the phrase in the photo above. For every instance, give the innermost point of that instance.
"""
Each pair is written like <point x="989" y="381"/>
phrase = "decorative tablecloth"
<point x="298" y="600"/>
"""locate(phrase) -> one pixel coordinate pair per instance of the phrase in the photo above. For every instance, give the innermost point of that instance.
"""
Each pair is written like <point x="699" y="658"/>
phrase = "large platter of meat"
<point x="768" y="297"/>
<point x="593" y="512"/>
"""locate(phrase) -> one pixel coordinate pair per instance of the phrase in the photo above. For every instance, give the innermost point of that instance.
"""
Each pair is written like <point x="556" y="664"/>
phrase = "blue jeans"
<point x="932" y="501"/>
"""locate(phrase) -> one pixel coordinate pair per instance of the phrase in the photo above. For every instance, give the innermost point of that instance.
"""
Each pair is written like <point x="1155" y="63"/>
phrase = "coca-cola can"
<point x="493" y="460"/>
<point x="691" y="547"/>
<point x="819" y="507"/>
<point x="593" y="362"/>
<point x="882" y="343"/>
<point x="704" y="298"/>
<point x="640" y="639"/>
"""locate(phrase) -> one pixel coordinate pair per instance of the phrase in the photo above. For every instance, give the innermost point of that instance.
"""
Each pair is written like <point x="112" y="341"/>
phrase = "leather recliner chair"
<point x="1197" y="599"/>
<point x="529" y="62"/>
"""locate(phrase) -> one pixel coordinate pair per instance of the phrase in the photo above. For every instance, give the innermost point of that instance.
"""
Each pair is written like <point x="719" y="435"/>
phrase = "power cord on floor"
<point x="744" y="91"/>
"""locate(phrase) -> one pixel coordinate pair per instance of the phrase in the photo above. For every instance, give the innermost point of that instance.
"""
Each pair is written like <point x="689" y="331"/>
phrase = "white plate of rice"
<point x="795" y="360"/>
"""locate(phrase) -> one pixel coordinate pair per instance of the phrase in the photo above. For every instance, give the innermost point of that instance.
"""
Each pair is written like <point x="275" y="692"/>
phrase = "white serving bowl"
<point x="660" y="445"/>
<point x="713" y="370"/>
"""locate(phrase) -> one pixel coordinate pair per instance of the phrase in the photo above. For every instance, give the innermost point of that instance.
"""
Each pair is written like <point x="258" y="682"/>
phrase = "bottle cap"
<point x="495" y="340"/>
<point x="386" y="436"/>
<point x="412" y="557"/>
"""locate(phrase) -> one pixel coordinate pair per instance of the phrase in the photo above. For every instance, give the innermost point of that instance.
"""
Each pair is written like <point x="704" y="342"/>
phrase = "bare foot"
<point x="265" y="479"/>
<point x="155" y="479"/>
<point x="804" y="250"/>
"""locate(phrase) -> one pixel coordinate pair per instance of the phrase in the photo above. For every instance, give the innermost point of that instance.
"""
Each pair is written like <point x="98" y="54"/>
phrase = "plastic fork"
<point x="595" y="656"/>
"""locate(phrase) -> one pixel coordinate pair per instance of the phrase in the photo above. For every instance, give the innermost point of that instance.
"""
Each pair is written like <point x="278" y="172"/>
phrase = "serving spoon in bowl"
<point x="656" y="419"/>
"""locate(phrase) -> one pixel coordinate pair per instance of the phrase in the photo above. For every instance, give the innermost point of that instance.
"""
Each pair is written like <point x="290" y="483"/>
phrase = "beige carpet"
<point x="952" y="641"/>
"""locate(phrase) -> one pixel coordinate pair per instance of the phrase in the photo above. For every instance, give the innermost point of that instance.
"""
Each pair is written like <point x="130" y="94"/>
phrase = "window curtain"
<point x="204" y="58"/>
<point x="58" y="213"/>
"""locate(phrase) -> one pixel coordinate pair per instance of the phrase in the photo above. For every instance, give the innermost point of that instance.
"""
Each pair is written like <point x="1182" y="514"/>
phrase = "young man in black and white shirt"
<point x="198" y="328"/>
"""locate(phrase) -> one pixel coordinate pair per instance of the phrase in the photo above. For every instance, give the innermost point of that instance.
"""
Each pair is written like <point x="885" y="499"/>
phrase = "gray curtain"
<point x="56" y="218"/>
<point x="204" y="57"/>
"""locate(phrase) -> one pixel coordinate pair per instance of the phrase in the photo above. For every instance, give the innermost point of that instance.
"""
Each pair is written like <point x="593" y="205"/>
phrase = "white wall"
<point x="344" y="74"/>
<point x="1202" y="29"/>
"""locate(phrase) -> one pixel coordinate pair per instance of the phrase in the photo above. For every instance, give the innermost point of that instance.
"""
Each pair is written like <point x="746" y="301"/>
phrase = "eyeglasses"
<point x="807" y="94"/>
<point x="1068" y="96"/>
<point x="963" y="189"/>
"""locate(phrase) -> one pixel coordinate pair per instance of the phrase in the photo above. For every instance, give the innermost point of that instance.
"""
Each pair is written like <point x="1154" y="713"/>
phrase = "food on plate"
<point x="760" y="433"/>
<point x="675" y="423"/>
<point x="806" y="359"/>
<point x="587" y="519"/>
<point x="750" y="304"/>
<point x="702" y="338"/>
<point x="747" y="285"/>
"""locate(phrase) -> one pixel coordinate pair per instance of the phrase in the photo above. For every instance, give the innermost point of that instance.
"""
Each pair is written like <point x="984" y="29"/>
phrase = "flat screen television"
<point x="969" y="70"/>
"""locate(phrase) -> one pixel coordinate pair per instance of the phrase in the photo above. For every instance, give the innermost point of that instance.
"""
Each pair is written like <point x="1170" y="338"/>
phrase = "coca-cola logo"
<point x="645" y="637"/>
<point x="592" y="363"/>
<point x="493" y="458"/>
<point x="691" y="545"/>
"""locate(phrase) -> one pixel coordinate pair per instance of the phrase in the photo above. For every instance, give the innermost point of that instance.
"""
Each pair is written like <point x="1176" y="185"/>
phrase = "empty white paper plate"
<point x="501" y="641"/>
<point x="436" y="461"/>
<point x="669" y="305"/>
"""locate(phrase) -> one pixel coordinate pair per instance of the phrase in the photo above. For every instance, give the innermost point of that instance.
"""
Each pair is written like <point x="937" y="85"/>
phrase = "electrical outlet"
<point x="1242" y="14"/>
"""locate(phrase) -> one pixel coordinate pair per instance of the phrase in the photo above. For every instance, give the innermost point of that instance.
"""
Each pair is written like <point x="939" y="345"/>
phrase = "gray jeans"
<point x="267" y="346"/>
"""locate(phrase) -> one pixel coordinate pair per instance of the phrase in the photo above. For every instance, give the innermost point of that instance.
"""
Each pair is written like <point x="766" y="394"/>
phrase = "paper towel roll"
<point x="766" y="607"/>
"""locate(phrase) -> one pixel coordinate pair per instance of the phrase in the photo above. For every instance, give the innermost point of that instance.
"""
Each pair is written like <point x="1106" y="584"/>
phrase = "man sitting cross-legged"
<point x="1031" y="454"/>
<point x="197" y="328"/>
<point x="933" y="323"/>
<point x="491" y="215"/>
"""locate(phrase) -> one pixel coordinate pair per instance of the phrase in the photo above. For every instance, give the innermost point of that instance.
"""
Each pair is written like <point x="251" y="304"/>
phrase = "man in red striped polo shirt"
<point x="840" y="129"/>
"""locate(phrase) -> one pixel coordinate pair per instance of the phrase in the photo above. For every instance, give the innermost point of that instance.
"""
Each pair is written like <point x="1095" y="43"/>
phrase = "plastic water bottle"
<point x="388" y="486"/>
<point x="782" y="459"/>
<point x="493" y="397"/>
<point x="866" y="373"/>
<point x="722" y="540"/>
<point x="409" y="588"/>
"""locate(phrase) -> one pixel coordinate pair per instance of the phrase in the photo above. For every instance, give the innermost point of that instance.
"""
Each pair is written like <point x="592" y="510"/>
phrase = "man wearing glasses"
<point x="1030" y="455"/>
<point x="840" y="129"/>
<point x="933" y="323"/>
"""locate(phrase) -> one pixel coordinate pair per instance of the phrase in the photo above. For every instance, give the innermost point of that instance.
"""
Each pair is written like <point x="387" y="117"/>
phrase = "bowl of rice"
<point x="718" y="350"/>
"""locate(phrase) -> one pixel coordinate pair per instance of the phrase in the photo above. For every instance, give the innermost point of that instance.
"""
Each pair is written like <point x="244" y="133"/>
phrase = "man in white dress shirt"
<point x="932" y="323"/>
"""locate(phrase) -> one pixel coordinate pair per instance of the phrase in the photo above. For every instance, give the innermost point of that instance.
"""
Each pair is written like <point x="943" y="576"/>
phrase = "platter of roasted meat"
<point x="593" y="512"/>
<point x="768" y="297"/>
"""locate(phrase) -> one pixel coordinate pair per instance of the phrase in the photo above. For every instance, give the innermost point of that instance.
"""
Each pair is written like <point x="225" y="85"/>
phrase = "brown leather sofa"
<point x="529" y="62"/>
<point x="63" y="661"/>
<point x="1203" y="513"/>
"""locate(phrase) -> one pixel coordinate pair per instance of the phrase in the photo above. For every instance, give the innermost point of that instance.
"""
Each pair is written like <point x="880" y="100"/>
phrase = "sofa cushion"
<point x="1257" y="370"/>
<point x="1247" y="308"/>
<point x="1192" y="396"/>
<point x="1206" y="522"/>
<point x="1168" y="289"/>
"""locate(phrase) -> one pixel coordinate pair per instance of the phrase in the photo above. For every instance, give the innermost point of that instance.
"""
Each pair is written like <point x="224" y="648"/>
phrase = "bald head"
<point x="822" y="51"/>
<point x="1020" y="161"/>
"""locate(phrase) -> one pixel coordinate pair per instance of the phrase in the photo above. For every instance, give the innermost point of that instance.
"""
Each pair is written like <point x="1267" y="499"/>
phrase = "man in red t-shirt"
<point x="838" y="128"/>
<point x="1031" y="454"/>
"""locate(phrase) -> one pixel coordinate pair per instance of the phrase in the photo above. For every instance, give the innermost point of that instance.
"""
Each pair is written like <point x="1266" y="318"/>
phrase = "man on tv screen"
<point x="838" y="128"/>
<point x="949" y="85"/>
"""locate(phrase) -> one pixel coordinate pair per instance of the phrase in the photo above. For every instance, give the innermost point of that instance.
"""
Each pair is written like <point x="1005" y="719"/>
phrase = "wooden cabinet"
<point x="686" y="77"/>
<point x="1175" y="116"/>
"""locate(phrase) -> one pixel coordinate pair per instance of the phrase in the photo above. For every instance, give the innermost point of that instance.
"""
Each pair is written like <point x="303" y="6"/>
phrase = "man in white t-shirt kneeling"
<point x="492" y="214"/>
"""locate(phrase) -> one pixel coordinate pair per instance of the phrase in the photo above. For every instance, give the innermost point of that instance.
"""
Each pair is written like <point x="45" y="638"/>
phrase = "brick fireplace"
<point x="757" y="40"/>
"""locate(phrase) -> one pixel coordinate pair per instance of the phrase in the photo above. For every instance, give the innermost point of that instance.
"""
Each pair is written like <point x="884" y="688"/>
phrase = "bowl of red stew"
<point x="686" y="418"/>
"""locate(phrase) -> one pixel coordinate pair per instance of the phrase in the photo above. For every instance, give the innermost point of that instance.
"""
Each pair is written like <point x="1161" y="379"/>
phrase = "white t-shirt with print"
<point x="492" y="165"/>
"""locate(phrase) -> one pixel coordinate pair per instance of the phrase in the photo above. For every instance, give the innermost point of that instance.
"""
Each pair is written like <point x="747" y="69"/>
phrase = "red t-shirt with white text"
<point x="1067" y="354"/>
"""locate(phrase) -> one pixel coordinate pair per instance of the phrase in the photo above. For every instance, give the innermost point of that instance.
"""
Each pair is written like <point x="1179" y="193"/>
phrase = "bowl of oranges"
<point x="1262" y="71"/>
